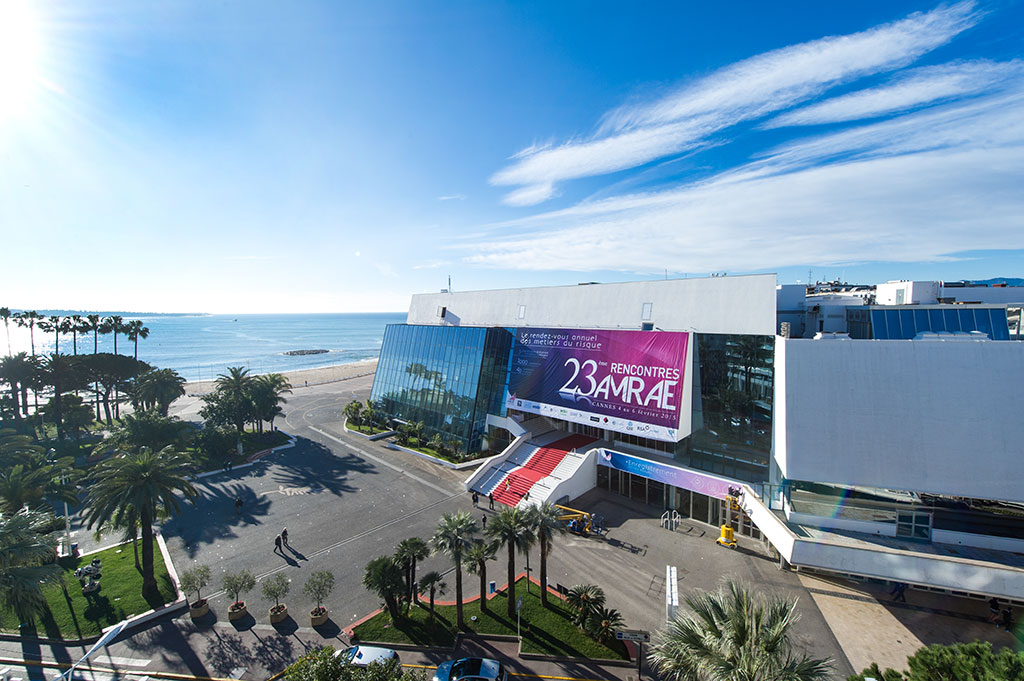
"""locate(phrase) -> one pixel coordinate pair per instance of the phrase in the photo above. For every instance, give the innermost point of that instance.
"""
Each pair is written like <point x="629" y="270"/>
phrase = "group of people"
<point x="281" y="541"/>
<point x="490" y="501"/>
<point x="1000" y="617"/>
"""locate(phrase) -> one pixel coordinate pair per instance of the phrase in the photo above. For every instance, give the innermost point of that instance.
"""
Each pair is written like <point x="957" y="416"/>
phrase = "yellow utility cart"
<point x="727" y="533"/>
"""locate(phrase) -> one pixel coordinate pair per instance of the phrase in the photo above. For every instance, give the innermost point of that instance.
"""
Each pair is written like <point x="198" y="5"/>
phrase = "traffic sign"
<point x="633" y="635"/>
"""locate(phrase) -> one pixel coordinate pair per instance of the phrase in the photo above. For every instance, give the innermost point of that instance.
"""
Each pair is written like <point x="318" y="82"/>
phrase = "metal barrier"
<point x="670" y="519"/>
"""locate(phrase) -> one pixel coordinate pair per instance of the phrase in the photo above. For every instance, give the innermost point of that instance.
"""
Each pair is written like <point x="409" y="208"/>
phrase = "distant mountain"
<point x="1009" y="281"/>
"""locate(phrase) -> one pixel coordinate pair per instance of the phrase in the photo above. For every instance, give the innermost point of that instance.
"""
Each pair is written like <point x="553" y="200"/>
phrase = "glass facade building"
<point x="906" y="322"/>
<point x="448" y="377"/>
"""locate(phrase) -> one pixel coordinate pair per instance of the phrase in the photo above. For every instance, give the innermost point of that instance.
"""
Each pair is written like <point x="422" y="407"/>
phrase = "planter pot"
<point x="237" y="611"/>
<point x="278" y="613"/>
<point x="198" y="609"/>
<point x="316" y="620"/>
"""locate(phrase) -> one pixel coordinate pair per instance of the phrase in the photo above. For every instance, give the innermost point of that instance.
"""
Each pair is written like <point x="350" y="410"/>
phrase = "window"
<point x="522" y="312"/>
<point x="645" y="313"/>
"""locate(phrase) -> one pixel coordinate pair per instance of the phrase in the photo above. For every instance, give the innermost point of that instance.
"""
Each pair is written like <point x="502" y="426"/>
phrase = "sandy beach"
<point x="303" y="377"/>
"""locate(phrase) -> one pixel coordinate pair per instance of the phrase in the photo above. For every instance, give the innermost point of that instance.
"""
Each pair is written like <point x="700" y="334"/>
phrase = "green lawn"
<point x="251" y="443"/>
<point x="547" y="632"/>
<point x="73" y="616"/>
<point x="366" y="429"/>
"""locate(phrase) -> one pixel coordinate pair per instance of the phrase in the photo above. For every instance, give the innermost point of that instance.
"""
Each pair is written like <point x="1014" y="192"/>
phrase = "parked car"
<point x="363" y="656"/>
<point x="471" y="669"/>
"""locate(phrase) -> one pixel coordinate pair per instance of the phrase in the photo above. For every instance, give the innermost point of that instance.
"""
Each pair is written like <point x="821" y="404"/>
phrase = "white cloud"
<point x="452" y="197"/>
<point x="916" y="188"/>
<point x="916" y="88"/>
<point x="638" y="134"/>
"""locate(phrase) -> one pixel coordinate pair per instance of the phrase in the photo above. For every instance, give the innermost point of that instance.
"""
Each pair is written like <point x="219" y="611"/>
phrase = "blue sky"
<point x="246" y="156"/>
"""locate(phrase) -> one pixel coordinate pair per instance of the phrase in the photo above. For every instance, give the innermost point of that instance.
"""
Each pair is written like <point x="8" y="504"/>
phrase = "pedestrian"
<point x="490" y="501"/>
<point x="485" y="521"/>
<point x="898" y="592"/>
<point x="284" y="536"/>
<point x="238" y="505"/>
<point x="1007" y="619"/>
<point x="476" y="499"/>
<point x="993" y="610"/>
<point x="277" y="544"/>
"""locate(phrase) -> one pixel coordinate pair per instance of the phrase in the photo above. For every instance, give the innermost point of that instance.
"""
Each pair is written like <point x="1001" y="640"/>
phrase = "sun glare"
<point x="19" y="53"/>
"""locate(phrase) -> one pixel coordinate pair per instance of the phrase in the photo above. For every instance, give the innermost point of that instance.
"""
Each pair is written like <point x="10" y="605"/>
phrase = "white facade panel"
<point x="1009" y="295"/>
<point x="739" y="305"/>
<point x="928" y="416"/>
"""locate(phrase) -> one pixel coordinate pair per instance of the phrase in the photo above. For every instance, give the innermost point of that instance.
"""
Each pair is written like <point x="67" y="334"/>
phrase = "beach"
<point x="303" y="377"/>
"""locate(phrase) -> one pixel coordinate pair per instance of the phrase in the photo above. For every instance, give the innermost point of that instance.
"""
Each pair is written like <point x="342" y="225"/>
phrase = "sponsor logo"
<point x="519" y="403"/>
<point x="595" y="419"/>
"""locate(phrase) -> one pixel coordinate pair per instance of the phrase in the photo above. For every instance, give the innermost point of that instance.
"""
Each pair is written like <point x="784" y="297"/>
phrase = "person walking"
<point x="1006" y="621"/>
<point x="484" y="521"/>
<point x="277" y="545"/>
<point x="476" y="499"/>
<point x="898" y="592"/>
<point x="238" y="505"/>
<point x="993" y="611"/>
<point x="284" y="536"/>
<point x="490" y="501"/>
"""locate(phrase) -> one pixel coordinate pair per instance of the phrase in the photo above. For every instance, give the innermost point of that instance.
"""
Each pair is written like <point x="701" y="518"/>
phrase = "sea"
<point x="199" y="347"/>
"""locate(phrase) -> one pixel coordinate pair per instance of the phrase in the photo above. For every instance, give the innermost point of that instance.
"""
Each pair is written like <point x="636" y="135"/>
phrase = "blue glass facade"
<point x="905" y="323"/>
<point x="448" y="377"/>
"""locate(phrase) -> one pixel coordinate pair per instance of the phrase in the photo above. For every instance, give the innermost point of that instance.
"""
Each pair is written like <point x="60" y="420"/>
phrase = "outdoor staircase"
<point x="516" y="483"/>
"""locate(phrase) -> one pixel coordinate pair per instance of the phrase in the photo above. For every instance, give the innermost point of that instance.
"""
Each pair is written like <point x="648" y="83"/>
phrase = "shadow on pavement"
<point x="313" y="465"/>
<point x="245" y="623"/>
<point x="226" y="651"/>
<point x="213" y="517"/>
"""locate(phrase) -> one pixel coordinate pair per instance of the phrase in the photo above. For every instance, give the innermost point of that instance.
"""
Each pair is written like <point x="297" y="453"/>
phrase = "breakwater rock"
<point x="296" y="353"/>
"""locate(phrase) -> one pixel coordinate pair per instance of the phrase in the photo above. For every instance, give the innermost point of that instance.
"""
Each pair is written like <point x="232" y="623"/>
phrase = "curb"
<point x="433" y="459"/>
<point x="253" y="458"/>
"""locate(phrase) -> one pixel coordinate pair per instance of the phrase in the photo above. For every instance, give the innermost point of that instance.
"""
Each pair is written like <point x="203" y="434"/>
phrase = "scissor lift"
<point x="581" y="522"/>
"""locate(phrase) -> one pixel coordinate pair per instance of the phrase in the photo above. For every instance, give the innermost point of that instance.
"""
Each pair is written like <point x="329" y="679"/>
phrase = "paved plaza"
<point x="346" y="500"/>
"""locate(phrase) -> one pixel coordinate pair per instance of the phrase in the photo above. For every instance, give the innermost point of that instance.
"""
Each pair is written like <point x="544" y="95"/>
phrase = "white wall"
<point x="985" y="294"/>
<point x="742" y="305"/>
<point x="927" y="416"/>
<point x="790" y="307"/>
<point x="914" y="292"/>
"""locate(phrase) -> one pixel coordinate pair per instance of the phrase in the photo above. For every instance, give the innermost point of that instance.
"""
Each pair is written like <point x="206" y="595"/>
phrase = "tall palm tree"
<point x="135" y="330"/>
<point x="147" y="481"/>
<point x="28" y="318"/>
<point x="383" y="577"/>
<point x="267" y="394"/>
<point x="62" y="374"/>
<point x="407" y="553"/>
<point x="5" y="314"/>
<point x="479" y="553"/>
<point x="453" y="537"/>
<point x="76" y="325"/>
<point x="113" y="324"/>
<point x="51" y="323"/>
<point x="512" y="527"/>
<point x="432" y="583"/>
<point x="235" y="385"/>
<point x="546" y="525"/>
<point x="26" y="562"/>
<point x="93" y="322"/>
<point x="19" y="372"/>
<point x="733" y="635"/>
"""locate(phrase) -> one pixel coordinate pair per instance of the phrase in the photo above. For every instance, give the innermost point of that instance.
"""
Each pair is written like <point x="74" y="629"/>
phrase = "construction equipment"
<point x="581" y="522"/>
<point x="727" y="533"/>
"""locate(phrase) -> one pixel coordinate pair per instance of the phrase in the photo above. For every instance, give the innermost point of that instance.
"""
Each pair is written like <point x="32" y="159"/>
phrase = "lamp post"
<point x="67" y="519"/>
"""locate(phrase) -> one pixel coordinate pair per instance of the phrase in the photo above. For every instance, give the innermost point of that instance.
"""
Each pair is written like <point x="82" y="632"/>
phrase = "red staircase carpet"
<point x="517" y="483"/>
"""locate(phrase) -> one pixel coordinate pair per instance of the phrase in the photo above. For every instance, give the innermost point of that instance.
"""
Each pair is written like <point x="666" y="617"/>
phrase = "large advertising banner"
<point x="684" y="478"/>
<point x="629" y="381"/>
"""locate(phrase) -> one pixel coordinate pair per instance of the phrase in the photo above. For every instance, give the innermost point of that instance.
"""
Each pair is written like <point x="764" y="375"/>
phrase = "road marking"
<point x="132" y="661"/>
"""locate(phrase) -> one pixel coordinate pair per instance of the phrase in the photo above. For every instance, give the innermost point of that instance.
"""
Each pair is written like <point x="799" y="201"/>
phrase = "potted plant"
<point x="318" y="587"/>
<point x="236" y="584"/>
<point x="196" y="580"/>
<point x="275" y="587"/>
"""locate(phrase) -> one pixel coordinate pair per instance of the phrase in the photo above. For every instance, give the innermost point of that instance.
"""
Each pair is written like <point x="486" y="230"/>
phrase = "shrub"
<point x="237" y="584"/>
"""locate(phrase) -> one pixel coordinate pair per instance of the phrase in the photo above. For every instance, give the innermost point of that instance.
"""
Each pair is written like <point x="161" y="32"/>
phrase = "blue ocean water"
<point x="201" y="346"/>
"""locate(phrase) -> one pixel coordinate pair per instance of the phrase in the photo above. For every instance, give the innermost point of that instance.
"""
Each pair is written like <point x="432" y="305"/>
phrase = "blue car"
<point x="471" y="669"/>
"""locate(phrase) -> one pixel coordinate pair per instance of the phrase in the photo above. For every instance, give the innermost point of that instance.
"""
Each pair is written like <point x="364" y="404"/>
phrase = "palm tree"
<point x="147" y="481"/>
<point x="113" y="324"/>
<point x="159" y="388"/>
<point x="733" y="635"/>
<point x="27" y="562"/>
<point x="432" y="583"/>
<point x="51" y="323"/>
<point x="452" y="538"/>
<point x="353" y="412"/>
<point x="407" y="553"/>
<point x="235" y="386"/>
<point x="267" y="395"/>
<point x="18" y="371"/>
<point x="513" y="528"/>
<point x="603" y="623"/>
<point x="5" y="314"/>
<point x="135" y="330"/>
<point x="28" y="318"/>
<point x="93" y="322"/>
<point x="383" y="577"/>
<point x="77" y="325"/>
<point x="63" y="375"/>
<point x="546" y="525"/>
<point x="585" y="599"/>
<point x="477" y="556"/>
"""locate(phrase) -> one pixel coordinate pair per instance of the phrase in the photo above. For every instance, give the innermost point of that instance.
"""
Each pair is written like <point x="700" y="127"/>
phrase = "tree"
<point x="158" y="388"/>
<point x="267" y="395"/>
<point x="28" y="318"/>
<point x="233" y="396"/>
<point x="114" y="325"/>
<point x="354" y="412"/>
<point x="27" y="563"/>
<point x="324" y="665"/>
<point x="93" y="322"/>
<point x="48" y="324"/>
<point x="135" y="330"/>
<point x="732" y="635"/>
<point x="19" y="372"/>
<point x="437" y="443"/>
<point x="319" y="587"/>
<point x="110" y="371"/>
<point x="937" y="662"/>
<point x="383" y="577"/>
<point x="146" y="429"/>
<point x="477" y="556"/>
<point x="63" y="374"/>
<point x="5" y="314"/>
<point x="146" y="481"/>
<point x="585" y="599"/>
<point x="407" y="553"/>
<point x="546" y="524"/>
<point x="275" y="587"/>
<point x="512" y="527"/>
<point x="432" y="583"/>
<point x="77" y="415"/>
<point x="603" y="623"/>
<point x="236" y="584"/>
<point x="196" y="579"/>
<point x="452" y="538"/>
<point x="77" y="324"/>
